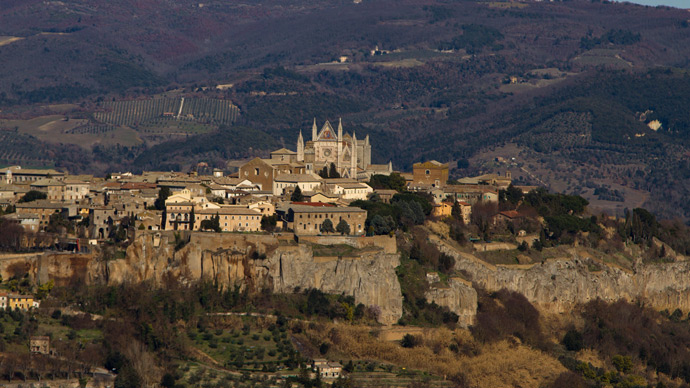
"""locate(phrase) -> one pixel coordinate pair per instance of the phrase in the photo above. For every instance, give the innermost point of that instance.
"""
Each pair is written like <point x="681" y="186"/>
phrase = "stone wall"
<point x="386" y="242"/>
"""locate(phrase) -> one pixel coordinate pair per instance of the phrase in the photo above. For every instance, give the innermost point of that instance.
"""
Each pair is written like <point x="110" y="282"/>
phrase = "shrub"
<point x="573" y="340"/>
<point x="507" y="313"/>
<point x="409" y="341"/>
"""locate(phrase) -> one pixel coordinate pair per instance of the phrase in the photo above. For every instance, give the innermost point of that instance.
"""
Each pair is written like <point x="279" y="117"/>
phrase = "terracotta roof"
<point x="138" y="186"/>
<point x="511" y="214"/>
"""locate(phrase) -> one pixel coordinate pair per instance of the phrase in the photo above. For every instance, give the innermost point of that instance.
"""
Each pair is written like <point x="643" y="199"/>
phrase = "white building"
<point x="306" y="182"/>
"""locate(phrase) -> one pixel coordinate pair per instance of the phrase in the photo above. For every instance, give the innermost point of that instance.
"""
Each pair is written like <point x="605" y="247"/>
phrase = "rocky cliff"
<point x="459" y="297"/>
<point x="262" y="261"/>
<point x="558" y="284"/>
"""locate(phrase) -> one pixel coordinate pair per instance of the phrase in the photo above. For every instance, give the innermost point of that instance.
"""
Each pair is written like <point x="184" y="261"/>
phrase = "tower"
<point x="300" y="147"/>
<point x="314" y="131"/>
<point x="339" y="156"/>
<point x="353" y="156"/>
<point x="366" y="153"/>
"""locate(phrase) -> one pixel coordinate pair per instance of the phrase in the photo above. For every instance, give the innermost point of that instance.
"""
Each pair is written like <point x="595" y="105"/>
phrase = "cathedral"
<point x="327" y="146"/>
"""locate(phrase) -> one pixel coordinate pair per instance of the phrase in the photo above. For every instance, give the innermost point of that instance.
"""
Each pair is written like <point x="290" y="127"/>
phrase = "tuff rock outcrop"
<point x="459" y="296"/>
<point x="557" y="285"/>
<point x="259" y="262"/>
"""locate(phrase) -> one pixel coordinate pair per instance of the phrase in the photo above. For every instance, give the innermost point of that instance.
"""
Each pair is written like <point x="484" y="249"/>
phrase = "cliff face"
<point x="459" y="297"/>
<point x="557" y="285"/>
<point x="62" y="268"/>
<point x="258" y="262"/>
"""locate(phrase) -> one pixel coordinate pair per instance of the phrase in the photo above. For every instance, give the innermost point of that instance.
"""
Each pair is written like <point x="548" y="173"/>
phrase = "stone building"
<point x="307" y="220"/>
<point x="40" y="344"/>
<point x="328" y="147"/>
<point x="431" y="173"/>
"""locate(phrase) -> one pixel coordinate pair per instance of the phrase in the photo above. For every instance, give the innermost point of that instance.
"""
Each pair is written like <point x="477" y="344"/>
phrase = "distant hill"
<point x="566" y="88"/>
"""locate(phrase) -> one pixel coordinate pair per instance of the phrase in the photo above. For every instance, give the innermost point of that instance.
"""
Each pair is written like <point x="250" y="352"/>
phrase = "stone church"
<point x="327" y="146"/>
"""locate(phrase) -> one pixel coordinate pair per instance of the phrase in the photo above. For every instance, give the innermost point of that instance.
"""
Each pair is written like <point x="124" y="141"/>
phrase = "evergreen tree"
<point x="163" y="194"/>
<point x="297" y="195"/>
<point x="327" y="226"/>
<point x="333" y="173"/>
<point x="343" y="227"/>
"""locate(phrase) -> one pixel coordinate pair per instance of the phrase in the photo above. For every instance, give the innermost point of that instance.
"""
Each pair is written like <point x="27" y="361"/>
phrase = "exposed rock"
<point x="556" y="285"/>
<point x="263" y="261"/>
<point x="459" y="297"/>
<point x="524" y="259"/>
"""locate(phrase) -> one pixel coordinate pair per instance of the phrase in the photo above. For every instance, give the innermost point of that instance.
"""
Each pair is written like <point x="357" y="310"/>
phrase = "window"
<point x="427" y="172"/>
<point x="256" y="171"/>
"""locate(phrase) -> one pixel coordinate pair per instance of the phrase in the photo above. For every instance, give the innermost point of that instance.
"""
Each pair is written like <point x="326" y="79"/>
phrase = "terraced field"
<point x="136" y="112"/>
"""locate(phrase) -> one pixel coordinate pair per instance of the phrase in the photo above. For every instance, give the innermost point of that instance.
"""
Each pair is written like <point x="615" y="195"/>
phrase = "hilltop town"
<point x="289" y="191"/>
<point x="315" y="265"/>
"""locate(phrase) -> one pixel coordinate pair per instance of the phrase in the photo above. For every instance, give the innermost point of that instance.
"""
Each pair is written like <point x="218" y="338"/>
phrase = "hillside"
<point x="546" y="83"/>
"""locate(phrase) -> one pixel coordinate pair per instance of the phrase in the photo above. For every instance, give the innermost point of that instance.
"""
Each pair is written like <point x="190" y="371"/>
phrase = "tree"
<point x="269" y="223"/>
<point x="33" y="195"/>
<point x="212" y="224"/>
<point x="327" y="226"/>
<point x="323" y="173"/>
<point x="343" y="227"/>
<point x="333" y="173"/>
<point x="456" y="211"/>
<point x="393" y="181"/>
<point x="297" y="195"/>
<point x="573" y="340"/>
<point x="192" y="219"/>
<point x="58" y="224"/>
<point x="163" y="194"/>
<point x="382" y="224"/>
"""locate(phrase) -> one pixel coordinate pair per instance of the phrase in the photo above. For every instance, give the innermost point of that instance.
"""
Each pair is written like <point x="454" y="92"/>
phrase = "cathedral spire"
<point x="314" y="129"/>
<point x="340" y="129"/>
<point x="300" y="147"/>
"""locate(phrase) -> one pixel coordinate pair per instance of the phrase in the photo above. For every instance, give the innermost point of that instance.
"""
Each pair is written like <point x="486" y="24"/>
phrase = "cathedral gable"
<point x="327" y="132"/>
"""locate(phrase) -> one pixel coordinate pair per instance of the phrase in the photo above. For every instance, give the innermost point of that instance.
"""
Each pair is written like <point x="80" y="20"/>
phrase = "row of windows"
<point x="318" y="226"/>
<point x="207" y="217"/>
<point x="320" y="216"/>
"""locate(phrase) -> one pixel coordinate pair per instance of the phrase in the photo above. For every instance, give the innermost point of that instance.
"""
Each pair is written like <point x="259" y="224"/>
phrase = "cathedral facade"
<point x="327" y="146"/>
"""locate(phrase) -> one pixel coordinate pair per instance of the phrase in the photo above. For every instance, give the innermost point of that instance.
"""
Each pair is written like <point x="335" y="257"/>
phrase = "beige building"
<point x="327" y="369"/>
<point x="494" y="180"/>
<point x="431" y="173"/>
<point x="287" y="182"/>
<point x="39" y="344"/>
<point x="17" y="174"/>
<point x="443" y="209"/>
<point x="75" y="190"/>
<point x="53" y="188"/>
<point x="30" y="222"/>
<point x="307" y="220"/>
<point x="263" y="171"/>
<point x="231" y="218"/>
<point x="42" y="208"/>
<point x="466" y="211"/>
<point x="348" y="189"/>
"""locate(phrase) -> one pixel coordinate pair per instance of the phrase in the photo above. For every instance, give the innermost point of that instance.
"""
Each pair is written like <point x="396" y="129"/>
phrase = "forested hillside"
<point x="569" y="88"/>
